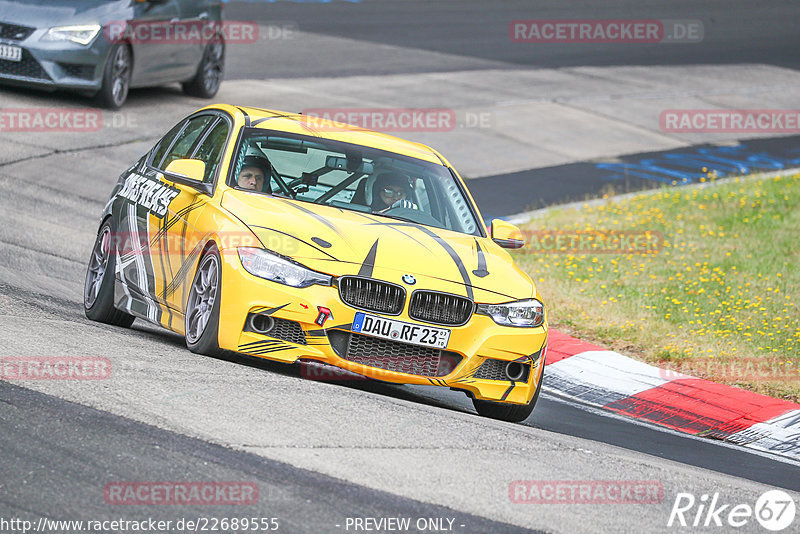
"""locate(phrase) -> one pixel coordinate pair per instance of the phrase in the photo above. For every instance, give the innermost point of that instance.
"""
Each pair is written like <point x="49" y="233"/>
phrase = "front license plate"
<point x="427" y="336"/>
<point x="10" y="53"/>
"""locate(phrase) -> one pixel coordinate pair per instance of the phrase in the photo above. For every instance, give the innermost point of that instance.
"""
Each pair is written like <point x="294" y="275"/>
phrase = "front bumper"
<point x="480" y="340"/>
<point x="56" y="65"/>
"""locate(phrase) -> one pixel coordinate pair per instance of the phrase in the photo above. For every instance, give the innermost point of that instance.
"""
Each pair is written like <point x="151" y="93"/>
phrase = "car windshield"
<point x="352" y="177"/>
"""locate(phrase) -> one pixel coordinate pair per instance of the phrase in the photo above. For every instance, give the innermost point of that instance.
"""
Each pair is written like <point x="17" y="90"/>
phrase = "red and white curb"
<point x="609" y="380"/>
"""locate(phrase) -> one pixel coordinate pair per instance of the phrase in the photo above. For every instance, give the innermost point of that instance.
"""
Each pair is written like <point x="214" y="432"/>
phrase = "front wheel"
<point x="202" y="308"/>
<point x="206" y="82"/>
<point x="98" y="290"/>
<point x="513" y="413"/>
<point x="116" y="78"/>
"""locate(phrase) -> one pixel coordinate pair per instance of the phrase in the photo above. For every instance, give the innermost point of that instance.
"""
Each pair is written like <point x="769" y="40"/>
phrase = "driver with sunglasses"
<point x="390" y="191"/>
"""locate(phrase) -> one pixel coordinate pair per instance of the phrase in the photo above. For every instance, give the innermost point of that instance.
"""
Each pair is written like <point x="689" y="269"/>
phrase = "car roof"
<point x="308" y="125"/>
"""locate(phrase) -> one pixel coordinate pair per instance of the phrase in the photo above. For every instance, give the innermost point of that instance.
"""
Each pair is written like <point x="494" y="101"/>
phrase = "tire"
<point x="208" y="79"/>
<point x="513" y="413"/>
<point x="116" y="78"/>
<point x="203" y="304"/>
<point x="98" y="289"/>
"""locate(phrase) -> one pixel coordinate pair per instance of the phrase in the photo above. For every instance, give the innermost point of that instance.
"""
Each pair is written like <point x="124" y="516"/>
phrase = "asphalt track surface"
<point x="322" y="452"/>
<point x="734" y="32"/>
<point x="514" y="193"/>
<point x="90" y="444"/>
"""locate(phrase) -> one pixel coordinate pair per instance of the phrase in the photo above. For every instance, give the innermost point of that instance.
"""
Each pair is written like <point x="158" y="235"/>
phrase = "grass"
<point x="709" y="289"/>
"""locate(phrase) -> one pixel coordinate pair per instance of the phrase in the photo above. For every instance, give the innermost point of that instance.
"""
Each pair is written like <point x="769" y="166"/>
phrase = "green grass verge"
<point x="707" y="283"/>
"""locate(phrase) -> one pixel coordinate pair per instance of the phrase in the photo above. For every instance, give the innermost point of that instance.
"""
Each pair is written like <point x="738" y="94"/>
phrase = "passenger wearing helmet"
<point x="391" y="190"/>
<point x="255" y="170"/>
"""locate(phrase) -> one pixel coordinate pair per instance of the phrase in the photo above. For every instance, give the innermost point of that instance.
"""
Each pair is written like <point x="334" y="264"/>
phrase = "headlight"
<point x="77" y="34"/>
<point x="524" y="313"/>
<point x="264" y="264"/>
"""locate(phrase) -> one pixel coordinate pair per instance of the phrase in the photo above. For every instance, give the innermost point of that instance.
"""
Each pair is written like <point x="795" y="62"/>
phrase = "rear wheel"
<point x="98" y="290"/>
<point x="206" y="82"/>
<point x="116" y="78"/>
<point x="513" y="413"/>
<point x="202" y="308"/>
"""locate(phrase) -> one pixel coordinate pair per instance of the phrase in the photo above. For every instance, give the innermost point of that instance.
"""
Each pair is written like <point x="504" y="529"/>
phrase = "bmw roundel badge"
<point x="409" y="279"/>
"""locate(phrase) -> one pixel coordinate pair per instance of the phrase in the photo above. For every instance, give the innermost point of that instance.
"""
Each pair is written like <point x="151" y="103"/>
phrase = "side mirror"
<point x="189" y="172"/>
<point x="190" y="169"/>
<point x="506" y="234"/>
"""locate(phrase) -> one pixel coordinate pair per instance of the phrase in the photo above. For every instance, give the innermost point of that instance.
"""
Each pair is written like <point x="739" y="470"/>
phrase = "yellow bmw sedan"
<point x="293" y="238"/>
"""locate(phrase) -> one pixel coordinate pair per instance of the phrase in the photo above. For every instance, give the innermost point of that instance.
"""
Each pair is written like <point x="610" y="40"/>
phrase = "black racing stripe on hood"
<point x="481" y="271"/>
<point x="317" y="216"/>
<point x="449" y="250"/>
<point x="393" y="225"/>
<point x="456" y="259"/>
<point x="369" y="262"/>
<point x="297" y="238"/>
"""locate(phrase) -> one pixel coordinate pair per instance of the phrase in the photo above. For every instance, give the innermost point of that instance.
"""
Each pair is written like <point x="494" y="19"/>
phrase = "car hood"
<point x="339" y="242"/>
<point x="47" y="13"/>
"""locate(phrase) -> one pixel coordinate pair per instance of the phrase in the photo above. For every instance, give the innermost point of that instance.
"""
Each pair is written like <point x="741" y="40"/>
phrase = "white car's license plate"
<point x="10" y="53"/>
<point x="427" y="336"/>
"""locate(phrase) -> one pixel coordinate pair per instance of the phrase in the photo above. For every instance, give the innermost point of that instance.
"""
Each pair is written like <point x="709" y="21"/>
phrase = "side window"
<point x="182" y="146"/>
<point x="211" y="147"/>
<point x="163" y="146"/>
